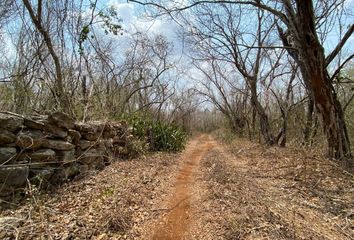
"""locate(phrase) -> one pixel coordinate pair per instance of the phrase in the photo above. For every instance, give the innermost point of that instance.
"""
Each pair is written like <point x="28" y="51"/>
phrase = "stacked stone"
<point x="53" y="148"/>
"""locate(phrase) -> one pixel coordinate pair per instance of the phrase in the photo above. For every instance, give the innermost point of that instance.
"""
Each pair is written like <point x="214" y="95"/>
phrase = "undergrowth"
<point x="159" y="135"/>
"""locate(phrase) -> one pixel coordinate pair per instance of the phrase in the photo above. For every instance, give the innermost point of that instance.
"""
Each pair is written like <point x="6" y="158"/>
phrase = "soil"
<point x="175" y="224"/>
<point x="212" y="190"/>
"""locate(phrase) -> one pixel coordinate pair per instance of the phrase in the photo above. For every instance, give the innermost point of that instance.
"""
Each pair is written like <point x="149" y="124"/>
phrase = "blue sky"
<point x="134" y="19"/>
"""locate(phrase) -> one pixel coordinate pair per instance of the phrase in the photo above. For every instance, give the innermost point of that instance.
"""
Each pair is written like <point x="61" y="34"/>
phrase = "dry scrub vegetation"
<point x="259" y="192"/>
<point x="112" y="204"/>
<point x="277" y="72"/>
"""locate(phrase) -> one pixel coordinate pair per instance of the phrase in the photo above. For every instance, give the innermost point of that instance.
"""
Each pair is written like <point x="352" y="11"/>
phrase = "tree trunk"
<point x="313" y="66"/>
<point x="59" y="79"/>
<point x="263" y="118"/>
<point x="234" y="123"/>
<point x="309" y="122"/>
<point x="254" y="116"/>
<point x="281" y="137"/>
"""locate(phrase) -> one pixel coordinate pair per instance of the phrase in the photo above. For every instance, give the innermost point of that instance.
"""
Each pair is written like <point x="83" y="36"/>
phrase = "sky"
<point x="132" y="15"/>
<point x="134" y="20"/>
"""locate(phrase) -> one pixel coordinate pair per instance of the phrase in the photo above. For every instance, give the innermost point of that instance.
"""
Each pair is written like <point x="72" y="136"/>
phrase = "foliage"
<point x="167" y="137"/>
<point x="160" y="136"/>
<point x="109" y="23"/>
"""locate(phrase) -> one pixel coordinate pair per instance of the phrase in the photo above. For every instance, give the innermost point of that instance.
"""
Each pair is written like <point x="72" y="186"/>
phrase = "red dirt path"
<point x="176" y="223"/>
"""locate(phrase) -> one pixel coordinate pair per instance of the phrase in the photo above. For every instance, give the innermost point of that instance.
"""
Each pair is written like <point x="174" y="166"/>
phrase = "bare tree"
<point x="37" y="19"/>
<point x="222" y="93"/>
<point x="221" y="35"/>
<point x="301" y="21"/>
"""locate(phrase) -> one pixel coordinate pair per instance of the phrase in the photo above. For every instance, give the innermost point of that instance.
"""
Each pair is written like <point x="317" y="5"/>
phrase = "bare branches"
<point x="340" y="45"/>
<point x="37" y="20"/>
<point x="339" y="69"/>
<point x="196" y="3"/>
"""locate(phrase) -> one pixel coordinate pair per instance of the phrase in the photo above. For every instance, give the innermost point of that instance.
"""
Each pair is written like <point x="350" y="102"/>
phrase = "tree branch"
<point x="340" y="45"/>
<point x="253" y="3"/>
<point x="341" y="66"/>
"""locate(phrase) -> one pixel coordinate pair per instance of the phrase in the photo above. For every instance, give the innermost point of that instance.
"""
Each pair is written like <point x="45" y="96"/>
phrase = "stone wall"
<point x="53" y="148"/>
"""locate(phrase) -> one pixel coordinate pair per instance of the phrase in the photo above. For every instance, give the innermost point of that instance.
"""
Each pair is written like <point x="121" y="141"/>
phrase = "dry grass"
<point x="112" y="204"/>
<point x="274" y="193"/>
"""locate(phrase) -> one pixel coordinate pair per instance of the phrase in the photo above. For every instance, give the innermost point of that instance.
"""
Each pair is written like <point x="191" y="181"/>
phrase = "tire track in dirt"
<point x="175" y="224"/>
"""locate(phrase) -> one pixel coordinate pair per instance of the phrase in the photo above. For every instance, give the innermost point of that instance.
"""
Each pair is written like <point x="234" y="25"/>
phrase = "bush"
<point x="165" y="137"/>
<point x="159" y="135"/>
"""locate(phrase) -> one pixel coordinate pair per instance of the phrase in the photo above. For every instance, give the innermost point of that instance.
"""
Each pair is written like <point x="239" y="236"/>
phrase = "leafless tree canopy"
<point x="275" y="71"/>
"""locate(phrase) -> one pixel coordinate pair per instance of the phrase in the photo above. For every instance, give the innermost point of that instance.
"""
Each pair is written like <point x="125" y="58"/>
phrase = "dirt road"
<point x="250" y="191"/>
<point x="176" y="223"/>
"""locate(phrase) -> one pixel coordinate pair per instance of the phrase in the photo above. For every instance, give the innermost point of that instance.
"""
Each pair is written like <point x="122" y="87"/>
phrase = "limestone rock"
<point x="82" y="127"/>
<point x="7" y="153"/>
<point x="109" y="131"/>
<point x="66" y="156"/>
<point x="118" y="141"/>
<point x="65" y="173"/>
<point x="57" y="131"/>
<point x="13" y="176"/>
<point x="58" y="148"/>
<point x="121" y="128"/>
<point x="89" y="132"/>
<point x="45" y="125"/>
<point x="71" y="170"/>
<point x="108" y="143"/>
<point x="10" y="122"/>
<point x="6" y="137"/>
<point x="35" y="123"/>
<point x="42" y="155"/>
<point x="31" y="139"/>
<point x="41" y="176"/>
<point x="62" y="120"/>
<point x="91" y="156"/>
<point x="59" y="145"/>
<point x="85" y="144"/>
<point x="75" y="136"/>
<point x="91" y="136"/>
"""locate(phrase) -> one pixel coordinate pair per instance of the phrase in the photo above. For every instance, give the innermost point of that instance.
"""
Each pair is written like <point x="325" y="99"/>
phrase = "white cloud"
<point x="133" y="20"/>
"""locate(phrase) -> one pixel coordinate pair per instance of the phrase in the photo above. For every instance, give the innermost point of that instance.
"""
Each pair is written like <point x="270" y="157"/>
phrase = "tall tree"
<point x="221" y="34"/>
<point x="36" y="17"/>
<point x="299" y="19"/>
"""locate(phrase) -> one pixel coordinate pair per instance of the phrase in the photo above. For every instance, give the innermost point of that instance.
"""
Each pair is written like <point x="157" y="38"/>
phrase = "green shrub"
<point x="160" y="136"/>
<point x="165" y="137"/>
